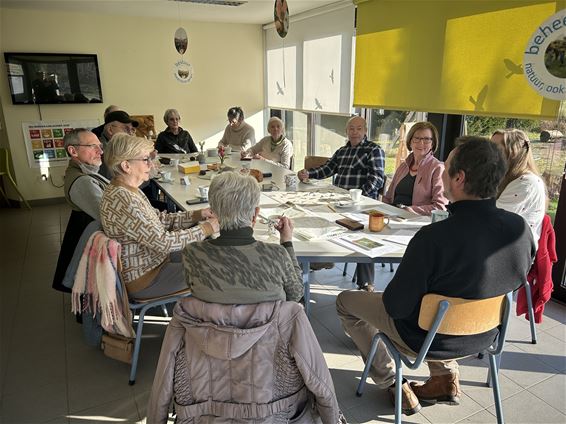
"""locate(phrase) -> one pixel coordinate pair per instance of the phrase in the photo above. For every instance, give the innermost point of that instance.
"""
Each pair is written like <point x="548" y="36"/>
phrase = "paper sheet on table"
<point x="306" y="224"/>
<point x="367" y="244"/>
<point x="402" y="237"/>
<point x="411" y="223"/>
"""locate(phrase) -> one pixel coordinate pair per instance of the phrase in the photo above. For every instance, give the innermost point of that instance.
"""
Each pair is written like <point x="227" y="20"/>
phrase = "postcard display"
<point x="44" y="140"/>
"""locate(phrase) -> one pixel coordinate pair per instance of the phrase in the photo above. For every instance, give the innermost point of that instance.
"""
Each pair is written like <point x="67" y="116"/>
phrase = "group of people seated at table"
<point x="480" y="251"/>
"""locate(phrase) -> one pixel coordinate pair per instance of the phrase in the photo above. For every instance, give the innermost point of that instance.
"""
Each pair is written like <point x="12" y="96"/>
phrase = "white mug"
<point x="203" y="190"/>
<point x="291" y="182"/>
<point x="356" y="194"/>
<point x="439" y="215"/>
<point x="175" y="162"/>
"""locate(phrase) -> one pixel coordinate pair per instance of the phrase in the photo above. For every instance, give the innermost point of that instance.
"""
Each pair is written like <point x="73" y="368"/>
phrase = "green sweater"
<point x="237" y="269"/>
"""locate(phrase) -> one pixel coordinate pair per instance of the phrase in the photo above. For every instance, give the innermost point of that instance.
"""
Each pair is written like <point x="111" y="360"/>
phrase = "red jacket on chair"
<point x="540" y="275"/>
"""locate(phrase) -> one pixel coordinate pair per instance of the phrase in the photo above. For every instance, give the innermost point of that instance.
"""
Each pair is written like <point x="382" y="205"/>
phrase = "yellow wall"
<point x="136" y="58"/>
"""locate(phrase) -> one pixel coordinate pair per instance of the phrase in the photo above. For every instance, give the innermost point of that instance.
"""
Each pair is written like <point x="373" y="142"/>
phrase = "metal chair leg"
<point x="531" y="313"/>
<point x="494" y="367"/>
<point x="369" y="360"/>
<point x="137" y="345"/>
<point x="345" y="269"/>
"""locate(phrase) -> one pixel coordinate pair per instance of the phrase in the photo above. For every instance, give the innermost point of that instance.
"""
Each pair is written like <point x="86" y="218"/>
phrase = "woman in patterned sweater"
<point x="235" y="268"/>
<point x="151" y="240"/>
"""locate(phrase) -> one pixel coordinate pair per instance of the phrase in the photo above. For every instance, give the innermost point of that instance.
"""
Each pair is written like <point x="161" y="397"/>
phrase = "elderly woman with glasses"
<point x="151" y="241"/>
<point x="275" y="148"/>
<point x="417" y="183"/>
<point x="235" y="267"/>
<point x="521" y="191"/>
<point x="174" y="139"/>
<point x="238" y="134"/>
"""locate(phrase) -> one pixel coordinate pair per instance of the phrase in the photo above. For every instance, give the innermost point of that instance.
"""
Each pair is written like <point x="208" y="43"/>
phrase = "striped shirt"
<point x="355" y="167"/>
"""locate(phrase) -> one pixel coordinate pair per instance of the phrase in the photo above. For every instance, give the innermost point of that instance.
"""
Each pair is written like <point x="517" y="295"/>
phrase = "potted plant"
<point x="201" y="157"/>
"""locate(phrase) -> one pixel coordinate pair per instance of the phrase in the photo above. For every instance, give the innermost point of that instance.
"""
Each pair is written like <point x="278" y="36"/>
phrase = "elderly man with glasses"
<point x="83" y="192"/>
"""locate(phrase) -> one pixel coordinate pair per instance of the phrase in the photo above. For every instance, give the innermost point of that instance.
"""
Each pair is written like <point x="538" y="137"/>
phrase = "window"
<point x="296" y="130"/>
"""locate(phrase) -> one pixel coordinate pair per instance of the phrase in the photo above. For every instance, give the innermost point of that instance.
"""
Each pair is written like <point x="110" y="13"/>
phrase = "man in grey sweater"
<point x="83" y="192"/>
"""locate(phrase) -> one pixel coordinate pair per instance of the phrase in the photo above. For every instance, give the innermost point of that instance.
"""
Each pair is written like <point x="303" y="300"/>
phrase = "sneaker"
<point x="439" y="389"/>
<point x="370" y="288"/>
<point x="410" y="403"/>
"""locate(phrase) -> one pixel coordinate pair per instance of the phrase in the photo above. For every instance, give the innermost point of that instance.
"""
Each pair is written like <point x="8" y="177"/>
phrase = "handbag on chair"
<point x="118" y="347"/>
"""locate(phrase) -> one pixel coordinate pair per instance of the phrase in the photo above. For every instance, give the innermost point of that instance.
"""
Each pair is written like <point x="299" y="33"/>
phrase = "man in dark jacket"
<point x="479" y="252"/>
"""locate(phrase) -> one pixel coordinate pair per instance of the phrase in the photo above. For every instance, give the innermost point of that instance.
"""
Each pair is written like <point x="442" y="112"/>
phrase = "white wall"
<point x="136" y="58"/>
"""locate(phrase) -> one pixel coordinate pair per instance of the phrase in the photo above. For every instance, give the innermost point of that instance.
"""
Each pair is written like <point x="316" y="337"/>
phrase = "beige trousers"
<point x="363" y="315"/>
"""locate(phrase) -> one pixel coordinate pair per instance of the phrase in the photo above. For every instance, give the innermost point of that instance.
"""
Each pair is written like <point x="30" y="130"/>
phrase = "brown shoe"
<point x="439" y="389"/>
<point x="410" y="403"/>
<point x="317" y="266"/>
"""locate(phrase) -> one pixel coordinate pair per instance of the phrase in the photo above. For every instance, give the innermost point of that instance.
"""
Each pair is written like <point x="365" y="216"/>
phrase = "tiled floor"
<point x="49" y="375"/>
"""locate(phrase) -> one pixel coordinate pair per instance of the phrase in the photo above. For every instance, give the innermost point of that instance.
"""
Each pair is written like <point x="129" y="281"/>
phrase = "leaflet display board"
<point x="44" y="140"/>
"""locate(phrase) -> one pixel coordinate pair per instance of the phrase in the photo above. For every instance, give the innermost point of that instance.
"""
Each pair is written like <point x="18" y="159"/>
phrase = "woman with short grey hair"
<point x="174" y="139"/>
<point x="274" y="148"/>
<point x="236" y="268"/>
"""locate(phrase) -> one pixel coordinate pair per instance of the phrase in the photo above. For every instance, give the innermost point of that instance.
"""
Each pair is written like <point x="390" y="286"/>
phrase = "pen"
<point x="331" y="208"/>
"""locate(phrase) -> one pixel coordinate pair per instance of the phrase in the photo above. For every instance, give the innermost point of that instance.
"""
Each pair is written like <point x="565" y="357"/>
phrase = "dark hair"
<point x="422" y="126"/>
<point x="236" y="112"/>
<point x="483" y="164"/>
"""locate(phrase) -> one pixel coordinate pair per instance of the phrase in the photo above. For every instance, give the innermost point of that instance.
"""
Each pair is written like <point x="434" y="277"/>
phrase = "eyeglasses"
<point x="90" y="146"/>
<point x="424" y="140"/>
<point x="147" y="160"/>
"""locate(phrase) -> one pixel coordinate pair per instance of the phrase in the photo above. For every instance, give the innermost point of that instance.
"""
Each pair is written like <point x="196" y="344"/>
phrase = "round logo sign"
<point x="183" y="71"/>
<point x="544" y="62"/>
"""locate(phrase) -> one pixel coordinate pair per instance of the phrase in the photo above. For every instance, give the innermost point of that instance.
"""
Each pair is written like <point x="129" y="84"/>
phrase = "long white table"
<point x="306" y="251"/>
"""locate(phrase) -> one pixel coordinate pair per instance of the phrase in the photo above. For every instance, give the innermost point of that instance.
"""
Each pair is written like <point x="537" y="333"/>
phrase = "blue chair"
<point x="143" y="306"/>
<point x="446" y="315"/>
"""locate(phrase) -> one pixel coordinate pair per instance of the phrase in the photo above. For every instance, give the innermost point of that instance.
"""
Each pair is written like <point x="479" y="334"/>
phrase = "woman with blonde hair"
<point x="521" y="191"/>
<point x="151" y="241"/>
<point x="417" y="183"/>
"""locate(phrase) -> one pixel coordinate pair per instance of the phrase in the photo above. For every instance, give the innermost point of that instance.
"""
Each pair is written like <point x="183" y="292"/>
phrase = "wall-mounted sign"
<point x="183" y="71"/>
<point x="181" y="40"/>
<point x="44" y="141"/>
<point x="281" y="17"/>
<point x="544" y="61"/>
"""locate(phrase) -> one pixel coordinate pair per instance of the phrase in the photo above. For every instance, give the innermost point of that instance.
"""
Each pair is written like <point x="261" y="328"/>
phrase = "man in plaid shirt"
<point x="359" y="164"/>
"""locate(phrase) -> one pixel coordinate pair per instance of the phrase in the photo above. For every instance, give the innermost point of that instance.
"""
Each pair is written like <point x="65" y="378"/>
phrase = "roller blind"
<point x="462" y="57"/>
<point x="311" y="68"/>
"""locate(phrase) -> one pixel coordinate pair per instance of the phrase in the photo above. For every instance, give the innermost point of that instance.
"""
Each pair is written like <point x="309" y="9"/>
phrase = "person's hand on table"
<point x="303" y="175"/>
<point x="258" y="156"/>
<point x="285" y="228"/>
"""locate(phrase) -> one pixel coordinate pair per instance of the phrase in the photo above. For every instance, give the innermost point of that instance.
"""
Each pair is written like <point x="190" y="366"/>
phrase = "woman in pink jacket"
<point x="417" y="183"/>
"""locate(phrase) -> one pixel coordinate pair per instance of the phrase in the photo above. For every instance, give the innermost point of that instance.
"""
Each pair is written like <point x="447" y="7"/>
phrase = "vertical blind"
<point x="457" y="56"/>
<point x="311" y="68"/>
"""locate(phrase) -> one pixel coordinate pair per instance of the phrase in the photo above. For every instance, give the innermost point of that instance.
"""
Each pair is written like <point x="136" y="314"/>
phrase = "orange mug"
<point x="377" y="221"/>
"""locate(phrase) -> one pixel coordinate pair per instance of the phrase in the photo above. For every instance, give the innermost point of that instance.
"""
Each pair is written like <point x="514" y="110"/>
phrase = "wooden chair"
<point x="315" y="161"/>
<point x="451" y="316"/>
<point x="5" y="171"/>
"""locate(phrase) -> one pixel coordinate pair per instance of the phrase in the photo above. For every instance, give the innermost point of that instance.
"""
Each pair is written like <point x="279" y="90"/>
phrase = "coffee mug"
<point x="203" y="191"/>
<point x="291" y="182"/>
<point x="356" y="195"/>
<point x="439" y="215"/>
<point x="212" y="152"/>
<point x="377" y="221"/>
